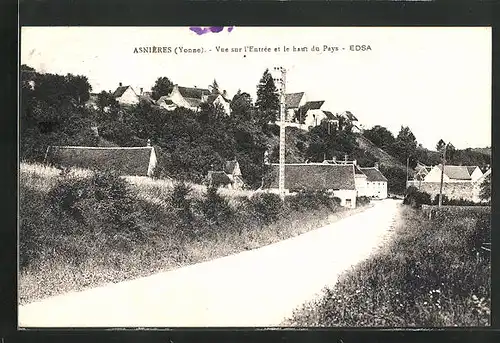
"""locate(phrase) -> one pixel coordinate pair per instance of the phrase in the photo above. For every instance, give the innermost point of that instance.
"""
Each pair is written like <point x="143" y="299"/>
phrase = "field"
<point x="80" y="230"/>
<point x="435" y="273"/>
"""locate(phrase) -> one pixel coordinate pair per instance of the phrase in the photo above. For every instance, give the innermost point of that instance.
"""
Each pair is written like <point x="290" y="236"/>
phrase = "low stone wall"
<point x="455" y="190"/>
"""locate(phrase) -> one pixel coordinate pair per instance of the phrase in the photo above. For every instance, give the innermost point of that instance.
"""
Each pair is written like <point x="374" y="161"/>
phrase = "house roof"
<point x="194" y="93"/>
<point x="119" y="91"/>
<point x="357" y="171"/>
<point x="292" y="100"/>
<point x="313" y="105"/>
<point x="314" y="176"/>
<point x="471" y="169"/>
<point x="350" y="116"/>
<point x="193" y="102"/>
<point x="230" y="166"/>
<point x="330" y="115"/>
<point x="124" y="160"/>
<point x="456" y="172"/>
<point x="166" y="99"/>
<point x="373" y="175"/>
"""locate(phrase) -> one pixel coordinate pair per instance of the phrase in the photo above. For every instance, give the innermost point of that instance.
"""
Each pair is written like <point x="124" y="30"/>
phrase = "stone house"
<point x="454" y="174"/>
<point x="459" y="182"/>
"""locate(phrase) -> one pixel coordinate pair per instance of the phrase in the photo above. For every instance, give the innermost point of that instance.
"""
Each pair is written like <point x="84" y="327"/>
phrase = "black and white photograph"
<point x="254" y="177"/>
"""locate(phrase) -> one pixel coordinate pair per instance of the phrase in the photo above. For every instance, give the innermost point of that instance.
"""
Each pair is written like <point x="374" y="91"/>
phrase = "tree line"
<point x="189" y="143"/>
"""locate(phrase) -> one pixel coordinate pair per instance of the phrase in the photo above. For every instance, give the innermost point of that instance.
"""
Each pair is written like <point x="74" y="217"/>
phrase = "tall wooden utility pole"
<point x="442" y="176"/>
<point x="282" y="88"/>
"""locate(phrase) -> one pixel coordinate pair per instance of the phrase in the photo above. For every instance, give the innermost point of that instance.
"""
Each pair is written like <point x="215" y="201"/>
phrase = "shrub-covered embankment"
<point x="82" y="229"/>
<point x="435" y="273"/>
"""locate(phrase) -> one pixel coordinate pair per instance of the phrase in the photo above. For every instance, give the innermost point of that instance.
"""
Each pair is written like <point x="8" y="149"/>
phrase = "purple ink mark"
<point x="214" y="29"/>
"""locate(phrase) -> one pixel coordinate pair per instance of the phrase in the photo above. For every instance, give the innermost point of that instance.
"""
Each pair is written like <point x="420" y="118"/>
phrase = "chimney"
<point x="376" y="165"/>
<point x="120" y="84"/>
<point x="149" y="142"/>
<point x="142" y="90"/>
<point x="355" y="162"/>
<point x="334" y="159"/>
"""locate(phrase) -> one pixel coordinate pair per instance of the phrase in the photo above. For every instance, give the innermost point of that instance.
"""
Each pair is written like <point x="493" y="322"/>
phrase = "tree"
<point x="241" y="106"/>
<point x="214" y="87"/>
<point x="405" y="146"/>
<point x="78" y="87"/>
<point x="106" y="100"/>
<point x="440" y="146"/>
<point x="380" y="136"/>
<point x="267" y="102"/>
<point x="162" y="86"/>
<point x="485" y="190"/>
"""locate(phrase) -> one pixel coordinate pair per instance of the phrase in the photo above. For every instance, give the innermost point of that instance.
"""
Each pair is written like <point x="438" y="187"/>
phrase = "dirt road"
<point x="260" y="287"/>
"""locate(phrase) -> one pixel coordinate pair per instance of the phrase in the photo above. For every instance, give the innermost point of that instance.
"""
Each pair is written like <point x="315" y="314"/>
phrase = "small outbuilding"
<point x="130" y="161"/>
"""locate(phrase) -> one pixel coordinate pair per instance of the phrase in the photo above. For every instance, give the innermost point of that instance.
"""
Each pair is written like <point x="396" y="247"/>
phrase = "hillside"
<point x="383" y="157"/>
<point x="485" y="151"/>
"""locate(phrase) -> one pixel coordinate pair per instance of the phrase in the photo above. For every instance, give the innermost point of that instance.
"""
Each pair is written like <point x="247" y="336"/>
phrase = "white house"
<point x="477" y="186"/>
<point x="294" y="101"/>
<point x="454" y="174"/>
<point x="192" y="98"/>
<point x="376" y="183"/>
<point x="233" y="171"/>
<point x="125" y="95"/>
<point x="361" y="181"/>
<point x="313" y="113"/>
<point x="336" y="178"/>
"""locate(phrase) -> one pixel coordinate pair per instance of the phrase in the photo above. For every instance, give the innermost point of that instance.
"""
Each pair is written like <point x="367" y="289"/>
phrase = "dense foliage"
<point x="434" y="273"/>
<point x="54" y="112"/>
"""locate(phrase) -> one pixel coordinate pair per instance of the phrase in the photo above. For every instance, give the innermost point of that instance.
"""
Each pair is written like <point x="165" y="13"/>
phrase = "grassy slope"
<point x="384" y="157"/>
<point x="433" y="274"/>
<point x="76" y="261"/>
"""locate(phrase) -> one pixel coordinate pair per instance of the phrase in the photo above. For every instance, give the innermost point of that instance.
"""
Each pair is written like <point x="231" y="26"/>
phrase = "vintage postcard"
<point x="254" y="177"/>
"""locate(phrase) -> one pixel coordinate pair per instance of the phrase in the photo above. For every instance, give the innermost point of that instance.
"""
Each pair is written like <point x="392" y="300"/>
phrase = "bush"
<point x="102" y="203"/>
<point x="215" y="207"/>
<point x="181" y="201"/>
<point x="311" y="200"/>
<point x="267" y="206"/>
<point x="455" y="202"/>
<point x="362" y="200"/>
<point x="416" y="198"/>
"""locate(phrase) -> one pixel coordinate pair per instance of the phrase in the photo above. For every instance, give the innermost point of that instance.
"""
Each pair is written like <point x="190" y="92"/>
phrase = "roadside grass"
<point x="125" y="233"/>
<point x="433" y="274"/>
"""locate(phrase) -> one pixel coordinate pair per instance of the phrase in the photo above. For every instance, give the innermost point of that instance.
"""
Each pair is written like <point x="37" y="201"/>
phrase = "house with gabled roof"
<point x="192" y="98"/>
<point x="478" y="185"/>
<point x="126" y="95"/>
<point x="353" y="120"/>
<point x="127" y="161"/>
<point x="454" y="174"/>
<point x="233" y="171"/>
<point x="293" y="102"/>
<point x="459" y="182"/>
<point x="376" y="182"/>
<point x="336" y="178"/>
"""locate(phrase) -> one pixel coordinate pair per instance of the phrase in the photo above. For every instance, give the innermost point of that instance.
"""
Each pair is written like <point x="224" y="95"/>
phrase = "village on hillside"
<point x="345" y="178"/>
<point x="332" y="192"/>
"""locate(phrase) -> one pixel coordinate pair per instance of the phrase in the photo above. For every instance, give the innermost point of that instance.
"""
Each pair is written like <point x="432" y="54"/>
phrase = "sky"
<point x="436" y="80"/>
